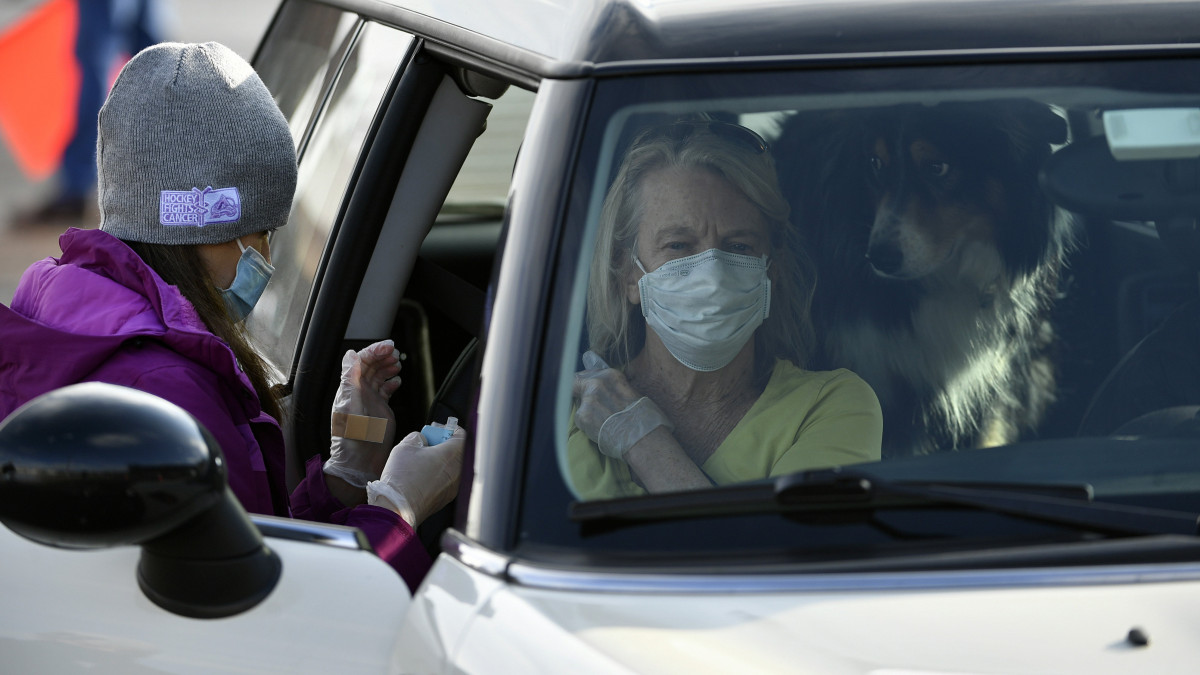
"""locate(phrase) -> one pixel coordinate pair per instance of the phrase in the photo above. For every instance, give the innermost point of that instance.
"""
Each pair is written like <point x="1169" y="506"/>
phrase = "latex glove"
<point x="419" y="479"/>
<point x="359" y="443"/>
<point x="611" y="412"/>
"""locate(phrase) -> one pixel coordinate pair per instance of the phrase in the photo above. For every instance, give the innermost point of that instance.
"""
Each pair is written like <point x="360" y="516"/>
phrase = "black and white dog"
<point x="938" y="259"/>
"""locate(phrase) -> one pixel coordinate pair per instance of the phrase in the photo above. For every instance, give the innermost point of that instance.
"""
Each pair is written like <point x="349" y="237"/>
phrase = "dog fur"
<point x="938" y="260"/>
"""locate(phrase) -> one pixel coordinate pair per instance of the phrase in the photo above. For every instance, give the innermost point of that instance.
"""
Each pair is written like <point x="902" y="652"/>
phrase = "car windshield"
<point x="852" y="290"/>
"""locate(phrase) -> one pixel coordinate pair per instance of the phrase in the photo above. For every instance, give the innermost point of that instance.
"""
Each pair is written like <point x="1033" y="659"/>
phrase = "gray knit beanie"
<point x="192" y="149"/>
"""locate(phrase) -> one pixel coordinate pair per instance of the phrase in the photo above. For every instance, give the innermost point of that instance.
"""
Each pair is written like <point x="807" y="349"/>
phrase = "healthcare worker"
<point x="197" y="169"/>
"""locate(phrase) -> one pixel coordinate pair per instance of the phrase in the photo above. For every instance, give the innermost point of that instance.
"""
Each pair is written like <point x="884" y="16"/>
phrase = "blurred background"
<point x="29" y="30"/>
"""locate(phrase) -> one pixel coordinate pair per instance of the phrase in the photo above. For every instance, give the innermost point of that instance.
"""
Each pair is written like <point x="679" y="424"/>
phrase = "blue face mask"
<point x="253" y="273"/>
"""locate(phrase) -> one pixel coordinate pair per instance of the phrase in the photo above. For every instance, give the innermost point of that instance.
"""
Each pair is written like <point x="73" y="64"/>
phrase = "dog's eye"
<point x="938" y="169"/>
<point x="876" y="163"/>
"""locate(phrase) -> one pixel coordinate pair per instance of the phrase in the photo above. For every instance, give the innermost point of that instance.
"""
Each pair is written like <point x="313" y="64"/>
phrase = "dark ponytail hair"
<point x="182" y="267"/>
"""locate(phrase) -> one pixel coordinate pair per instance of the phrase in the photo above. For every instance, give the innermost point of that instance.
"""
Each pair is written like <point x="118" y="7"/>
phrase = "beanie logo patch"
<point x="198" y="208"/>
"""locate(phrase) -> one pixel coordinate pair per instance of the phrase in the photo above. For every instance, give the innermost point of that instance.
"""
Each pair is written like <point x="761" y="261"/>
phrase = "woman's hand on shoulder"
<point x="600" y="393"/>
<point x="638" y="432"/>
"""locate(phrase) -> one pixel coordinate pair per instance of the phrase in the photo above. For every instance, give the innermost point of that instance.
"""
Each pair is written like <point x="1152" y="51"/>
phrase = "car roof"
<point x="573" y="38"/>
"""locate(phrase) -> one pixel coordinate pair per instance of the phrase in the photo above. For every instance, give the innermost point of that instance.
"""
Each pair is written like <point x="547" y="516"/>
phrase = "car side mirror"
<point x="96" y="465"/>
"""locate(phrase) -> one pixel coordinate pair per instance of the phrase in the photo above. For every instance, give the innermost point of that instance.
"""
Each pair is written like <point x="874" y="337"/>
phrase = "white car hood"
<point x="1030" y="627"/>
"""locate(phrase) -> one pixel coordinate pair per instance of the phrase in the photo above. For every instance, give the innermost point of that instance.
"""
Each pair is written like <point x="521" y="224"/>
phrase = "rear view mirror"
<point x="1153" y="133"/>
<point x="94" y="465"/>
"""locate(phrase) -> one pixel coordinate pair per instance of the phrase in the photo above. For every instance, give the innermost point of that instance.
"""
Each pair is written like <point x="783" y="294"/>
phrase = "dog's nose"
<point x="885" y="257"/>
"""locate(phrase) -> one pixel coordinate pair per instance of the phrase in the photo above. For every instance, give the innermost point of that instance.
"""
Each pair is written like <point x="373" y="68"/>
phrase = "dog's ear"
<point x="1030" y="126"/>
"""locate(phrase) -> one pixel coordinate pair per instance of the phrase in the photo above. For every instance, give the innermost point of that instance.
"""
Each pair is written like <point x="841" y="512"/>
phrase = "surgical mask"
<point x="253" y="273"/>
<point x="705" y="307"/>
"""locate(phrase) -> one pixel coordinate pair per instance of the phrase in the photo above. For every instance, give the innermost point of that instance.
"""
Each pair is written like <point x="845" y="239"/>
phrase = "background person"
<point x="108" y="30"/>
<point x="694" y="243"/>
<point x="197" y="168"/>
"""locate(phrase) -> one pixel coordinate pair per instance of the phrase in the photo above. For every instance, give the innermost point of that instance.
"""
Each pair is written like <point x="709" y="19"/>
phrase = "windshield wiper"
<point x="838" y="491"/>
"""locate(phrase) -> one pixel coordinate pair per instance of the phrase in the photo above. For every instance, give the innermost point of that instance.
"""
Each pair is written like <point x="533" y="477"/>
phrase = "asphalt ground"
<point x="238" y="24"/>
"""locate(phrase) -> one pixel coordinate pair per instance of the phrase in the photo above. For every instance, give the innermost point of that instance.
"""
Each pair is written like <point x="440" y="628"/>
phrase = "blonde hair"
<point x="616" y="330"/>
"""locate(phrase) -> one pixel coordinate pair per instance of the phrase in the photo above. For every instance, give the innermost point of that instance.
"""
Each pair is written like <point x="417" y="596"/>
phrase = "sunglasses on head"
<point x="734" y="133"/>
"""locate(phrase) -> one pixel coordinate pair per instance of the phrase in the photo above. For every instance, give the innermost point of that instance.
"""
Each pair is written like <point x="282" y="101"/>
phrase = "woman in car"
<point x="698" y="327"/>
<point x="197" y="167"/>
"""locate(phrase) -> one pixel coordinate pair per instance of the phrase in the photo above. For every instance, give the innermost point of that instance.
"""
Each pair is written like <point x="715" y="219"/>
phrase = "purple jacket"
<point x="99" y="314"/>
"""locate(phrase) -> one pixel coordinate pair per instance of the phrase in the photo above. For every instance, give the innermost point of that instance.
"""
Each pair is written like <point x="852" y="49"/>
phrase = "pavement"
<point x="239" y="24"/>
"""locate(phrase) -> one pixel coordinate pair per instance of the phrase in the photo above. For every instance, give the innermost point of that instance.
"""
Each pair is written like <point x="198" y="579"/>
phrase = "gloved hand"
<point x="363" y="425"/>
<point x="611" y="412"/>
<point x="419" y="479"/>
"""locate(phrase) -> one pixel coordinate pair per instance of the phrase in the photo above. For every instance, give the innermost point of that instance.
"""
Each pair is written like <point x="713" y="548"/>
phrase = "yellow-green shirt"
<point x="803" y="420"/>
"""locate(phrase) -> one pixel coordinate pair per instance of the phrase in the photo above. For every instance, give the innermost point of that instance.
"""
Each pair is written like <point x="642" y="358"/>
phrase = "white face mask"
<point x="705" y="307"/>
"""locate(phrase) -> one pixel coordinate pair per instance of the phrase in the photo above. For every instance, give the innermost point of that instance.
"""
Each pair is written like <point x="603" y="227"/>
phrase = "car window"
<point x="932" y="272"/>
<point x="300" y="55"/>
<point x="326" y="168"/>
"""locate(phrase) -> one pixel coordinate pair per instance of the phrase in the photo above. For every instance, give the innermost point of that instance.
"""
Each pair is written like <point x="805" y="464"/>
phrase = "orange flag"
<point x="39" y="86"/>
